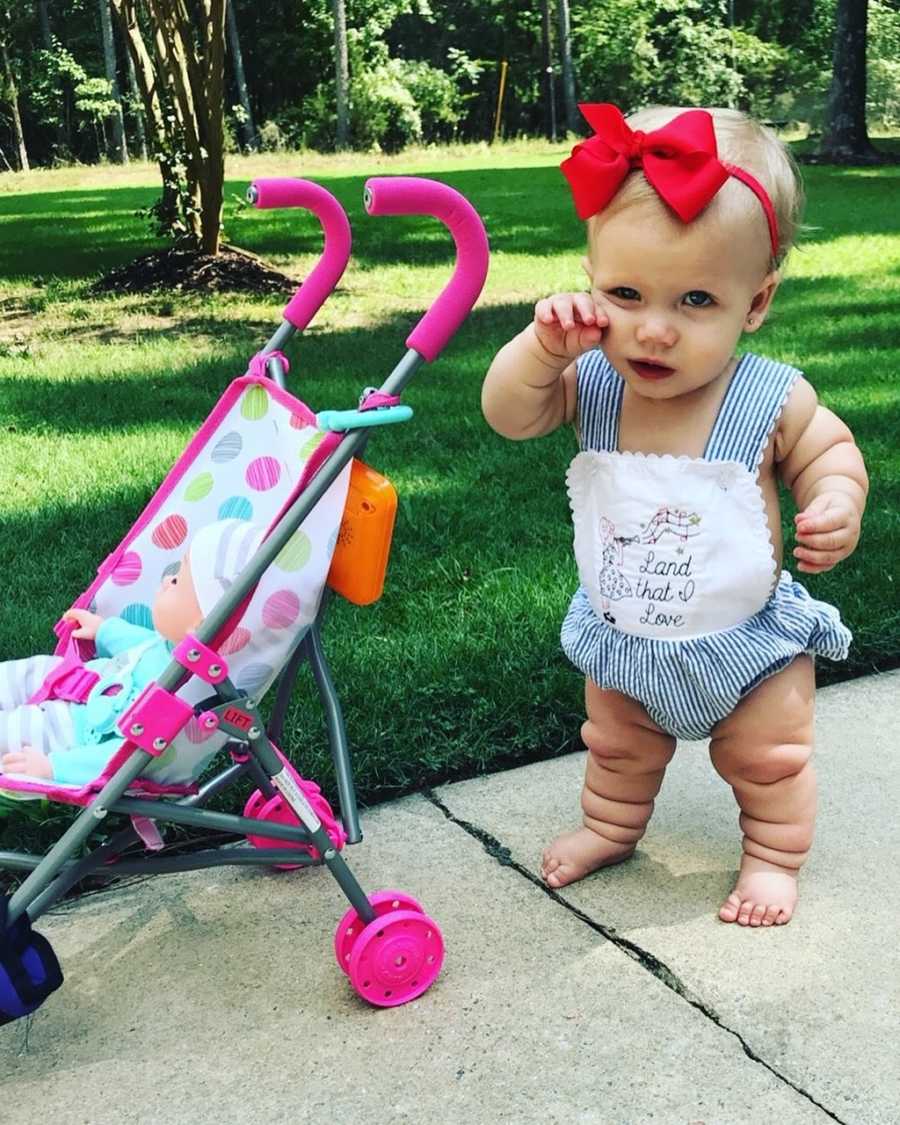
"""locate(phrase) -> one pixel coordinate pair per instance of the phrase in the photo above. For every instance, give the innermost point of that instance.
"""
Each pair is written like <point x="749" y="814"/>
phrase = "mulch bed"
<point x="181" y="271"/>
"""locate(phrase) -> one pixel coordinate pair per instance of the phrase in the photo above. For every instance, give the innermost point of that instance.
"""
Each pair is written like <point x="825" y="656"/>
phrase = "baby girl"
<point x="72" y="742"/>
<point x="685" y="624"/>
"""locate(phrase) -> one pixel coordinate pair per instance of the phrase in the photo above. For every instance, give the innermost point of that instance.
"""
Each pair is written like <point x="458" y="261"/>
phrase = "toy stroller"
<point x="261" y="456"/>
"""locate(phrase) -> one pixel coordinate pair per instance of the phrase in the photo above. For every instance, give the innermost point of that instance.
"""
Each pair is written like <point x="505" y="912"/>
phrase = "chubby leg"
<point x="626" y="760"/>
<point x="764" y="750"/>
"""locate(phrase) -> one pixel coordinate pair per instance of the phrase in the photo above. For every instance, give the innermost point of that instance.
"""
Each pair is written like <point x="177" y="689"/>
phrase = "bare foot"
<point x="765" y="894"/>
<point x="28" y="761"/>
<point x="575" y="854"/>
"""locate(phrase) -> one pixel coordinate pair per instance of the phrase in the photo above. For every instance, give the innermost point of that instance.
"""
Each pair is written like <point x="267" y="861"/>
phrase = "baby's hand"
<point x="28" y="761"/>
<point x="88" y="623"/>
<point x="568" y="324"/>
<point x="827" y="532"/>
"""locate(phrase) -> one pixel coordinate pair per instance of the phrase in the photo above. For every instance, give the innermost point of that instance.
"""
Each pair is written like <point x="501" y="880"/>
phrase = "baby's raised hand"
<point x="567" y="325"/>
<point x="827" y="532"/>
<point x="88" y="623"/>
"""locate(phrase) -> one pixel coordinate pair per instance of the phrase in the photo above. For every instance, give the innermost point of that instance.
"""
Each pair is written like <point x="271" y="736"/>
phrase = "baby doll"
<point x="71" y="742"/>
<point x="689" y="218"/>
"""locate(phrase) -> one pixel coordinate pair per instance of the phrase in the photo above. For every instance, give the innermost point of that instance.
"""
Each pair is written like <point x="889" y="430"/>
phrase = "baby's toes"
<point x="745" y="911"/>
<point x="728" y="911"/>
<point x="757" y="914"/>
<point x="771" y="915"/>
<point x="784" y="916"/>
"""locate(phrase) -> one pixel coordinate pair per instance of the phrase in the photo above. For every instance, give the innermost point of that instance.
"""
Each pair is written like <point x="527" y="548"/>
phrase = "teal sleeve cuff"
<point x="81" y="764"/>
<point x="115" y="636"/>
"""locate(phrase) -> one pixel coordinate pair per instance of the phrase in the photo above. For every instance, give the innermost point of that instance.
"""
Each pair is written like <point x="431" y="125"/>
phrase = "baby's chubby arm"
<point x="529" y="389"/>
<point x="821" y="464"/>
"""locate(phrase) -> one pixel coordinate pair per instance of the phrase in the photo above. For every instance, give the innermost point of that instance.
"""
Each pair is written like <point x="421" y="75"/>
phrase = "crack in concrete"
<point x="658" y="968"/>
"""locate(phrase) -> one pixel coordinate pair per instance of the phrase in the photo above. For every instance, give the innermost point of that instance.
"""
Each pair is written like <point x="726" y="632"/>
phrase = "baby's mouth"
<point x="651" y="368"/>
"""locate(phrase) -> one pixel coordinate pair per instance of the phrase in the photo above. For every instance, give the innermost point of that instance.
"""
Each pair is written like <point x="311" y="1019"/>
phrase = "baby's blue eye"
<point x="625" y="293"/>
<point x="698" y="299"/>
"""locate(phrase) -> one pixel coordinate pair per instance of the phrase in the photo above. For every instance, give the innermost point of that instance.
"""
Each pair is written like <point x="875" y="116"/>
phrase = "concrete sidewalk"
<point x="215" y="997"/>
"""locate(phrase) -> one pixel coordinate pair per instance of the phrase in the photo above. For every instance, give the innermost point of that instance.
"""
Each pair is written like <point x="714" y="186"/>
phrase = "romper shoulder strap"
<point x="750" y="410"/>
<point x="600" y="389"/>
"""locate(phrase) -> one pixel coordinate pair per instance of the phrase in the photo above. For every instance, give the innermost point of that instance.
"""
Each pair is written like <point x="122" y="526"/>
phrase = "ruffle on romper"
<point x="690" y="684"/>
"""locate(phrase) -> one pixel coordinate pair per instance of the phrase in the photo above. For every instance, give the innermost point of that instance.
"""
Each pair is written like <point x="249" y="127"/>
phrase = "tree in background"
<point x="568" y="70"/>
<point x="425" y="72"/>
<point x="182" y="87"/>
<point x="116" y="122"/>
<point x="245" y="119"/>
<point x="341" y="76"/>
<point x="9" y="87"/>
<point x="846" y="139"/>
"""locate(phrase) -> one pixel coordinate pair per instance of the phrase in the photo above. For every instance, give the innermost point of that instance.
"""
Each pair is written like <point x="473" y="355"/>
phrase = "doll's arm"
<point x="116" y="635"/>
<point x="822" y="466"/>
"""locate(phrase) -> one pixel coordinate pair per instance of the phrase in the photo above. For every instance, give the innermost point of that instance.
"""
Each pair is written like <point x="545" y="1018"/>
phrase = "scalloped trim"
<point x="754" y="476"/>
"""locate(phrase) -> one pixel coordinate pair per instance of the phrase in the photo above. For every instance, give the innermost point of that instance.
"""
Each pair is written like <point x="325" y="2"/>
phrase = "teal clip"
<point x="356" y="419"/>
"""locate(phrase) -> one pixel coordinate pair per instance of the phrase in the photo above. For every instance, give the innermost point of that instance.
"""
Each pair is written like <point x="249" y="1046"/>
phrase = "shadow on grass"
<point x="79" y="233"/>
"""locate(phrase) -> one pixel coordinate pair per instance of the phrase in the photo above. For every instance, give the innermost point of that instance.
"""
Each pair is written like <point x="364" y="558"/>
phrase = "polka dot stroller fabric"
<point x="249" y="461"/>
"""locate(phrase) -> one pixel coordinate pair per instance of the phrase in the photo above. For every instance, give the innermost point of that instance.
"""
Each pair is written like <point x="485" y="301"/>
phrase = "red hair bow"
<point x="680" y="161"/>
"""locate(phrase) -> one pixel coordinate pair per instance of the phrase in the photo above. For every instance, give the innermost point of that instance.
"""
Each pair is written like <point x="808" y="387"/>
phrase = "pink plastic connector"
<point x="200" y="660"/>
<point x="154" y="719"/>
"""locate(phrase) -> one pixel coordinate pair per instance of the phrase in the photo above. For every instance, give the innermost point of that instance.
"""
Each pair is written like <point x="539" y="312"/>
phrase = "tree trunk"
<point x="249" y="139"/>
<point x="116" y="123"/>
<point x="341" y="74"/>
<point x="549" y="91"/>
<point x="137" y="100"/>
<point x="12" y="98"/>
<point x="183" y="92"/>
<point x="44" y="17"/>
<point x="568" y="71"/>
<point x="63" y="140"/>
<point x="126" y="13"/>
<point x="212" y="182"/>
<point x="845" y="139"/>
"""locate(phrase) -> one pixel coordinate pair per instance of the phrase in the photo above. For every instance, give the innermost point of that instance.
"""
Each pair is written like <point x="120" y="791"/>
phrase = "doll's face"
<point x="176" y="610"/>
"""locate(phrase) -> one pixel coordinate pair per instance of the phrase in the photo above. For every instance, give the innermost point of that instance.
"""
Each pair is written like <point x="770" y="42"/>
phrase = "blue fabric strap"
<point x="600" y="391"/>
<point x="748" y="414"/>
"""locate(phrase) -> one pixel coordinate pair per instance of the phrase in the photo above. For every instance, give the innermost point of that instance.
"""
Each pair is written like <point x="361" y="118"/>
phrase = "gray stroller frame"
<point x="389" y="927"/>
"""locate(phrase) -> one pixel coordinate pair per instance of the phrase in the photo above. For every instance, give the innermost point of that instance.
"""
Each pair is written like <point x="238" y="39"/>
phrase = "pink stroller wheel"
<point x="255" y="802"/>
<point x="277" y="810"/>
<point x="351" y="925"/>
<point x="396" y="958"/>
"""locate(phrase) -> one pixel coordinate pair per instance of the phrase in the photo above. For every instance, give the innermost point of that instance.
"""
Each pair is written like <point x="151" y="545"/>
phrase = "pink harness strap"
<point x="69" y="681"/>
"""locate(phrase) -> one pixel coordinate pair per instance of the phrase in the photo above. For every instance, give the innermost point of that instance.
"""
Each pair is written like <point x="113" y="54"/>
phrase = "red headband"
<point x="680" y="161"/>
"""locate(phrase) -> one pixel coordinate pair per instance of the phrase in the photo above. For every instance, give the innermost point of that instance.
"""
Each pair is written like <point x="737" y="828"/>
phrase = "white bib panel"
<point x="669" y="547"/>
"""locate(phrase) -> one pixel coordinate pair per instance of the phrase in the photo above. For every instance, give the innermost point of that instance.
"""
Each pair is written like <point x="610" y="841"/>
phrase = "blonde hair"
<point x="747" y="144"/>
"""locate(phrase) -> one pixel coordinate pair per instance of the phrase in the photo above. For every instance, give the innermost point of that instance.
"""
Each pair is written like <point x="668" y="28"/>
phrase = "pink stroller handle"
<point x="411" y="195"/>
<point x="284" y="192"/>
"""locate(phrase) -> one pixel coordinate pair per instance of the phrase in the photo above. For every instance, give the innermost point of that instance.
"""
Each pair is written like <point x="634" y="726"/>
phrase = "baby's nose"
<point x="657" y="329"/>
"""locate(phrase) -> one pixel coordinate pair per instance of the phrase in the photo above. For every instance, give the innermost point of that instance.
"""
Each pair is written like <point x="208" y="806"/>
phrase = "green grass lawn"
<point x="461" y="655"/>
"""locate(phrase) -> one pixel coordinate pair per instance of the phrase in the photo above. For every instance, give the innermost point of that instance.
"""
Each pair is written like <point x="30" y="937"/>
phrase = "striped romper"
<point x="680" y="606"/>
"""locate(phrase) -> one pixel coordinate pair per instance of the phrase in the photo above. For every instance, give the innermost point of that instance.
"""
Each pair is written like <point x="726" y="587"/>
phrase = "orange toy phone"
<point x="359" y="562"/>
